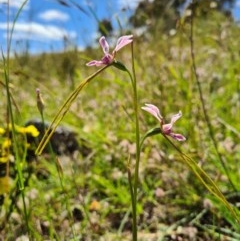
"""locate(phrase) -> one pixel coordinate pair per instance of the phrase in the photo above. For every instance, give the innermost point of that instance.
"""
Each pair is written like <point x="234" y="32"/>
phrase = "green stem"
<point x="20" y="180"/>
<point x="206" y="116"/>
<point x="132" y="196"/>
<point x="63" y="111"/>
<point x="205" y="180"/>
<point x="50" y="149"/>
<point x="198" y="171"/>
<point x="137" y="136"/>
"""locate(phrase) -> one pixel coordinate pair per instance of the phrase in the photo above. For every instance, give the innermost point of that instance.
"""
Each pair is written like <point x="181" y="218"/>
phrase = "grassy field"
<point x="90" y="198"/>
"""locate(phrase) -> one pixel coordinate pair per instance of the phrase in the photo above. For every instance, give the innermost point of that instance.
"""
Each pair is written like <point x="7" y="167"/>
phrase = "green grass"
<point x="103" y="115"/>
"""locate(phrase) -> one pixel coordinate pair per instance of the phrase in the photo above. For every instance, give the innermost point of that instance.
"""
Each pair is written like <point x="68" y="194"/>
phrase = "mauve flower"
<point x="109" y="58"/>
<point x="166" y="128"/>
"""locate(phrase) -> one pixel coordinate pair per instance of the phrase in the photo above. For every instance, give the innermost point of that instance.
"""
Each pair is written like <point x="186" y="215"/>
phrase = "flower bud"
<point x="40" y="102"/>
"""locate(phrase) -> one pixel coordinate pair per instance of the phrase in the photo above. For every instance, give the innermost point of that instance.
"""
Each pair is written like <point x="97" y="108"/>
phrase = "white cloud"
<point x="36" y="31"/>
<point x="128" y="4"/>
<point x="51" y="15"/>
<point x="16" y="3"/>
<point x="132" y="4"/>
<point x="237" y="4"/>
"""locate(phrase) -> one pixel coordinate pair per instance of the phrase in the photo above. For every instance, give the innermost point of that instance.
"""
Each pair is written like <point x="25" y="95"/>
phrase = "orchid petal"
<point x="107" y="59"/>
<point x="177" y="137"/>
<point x="123" y="41"/>
<point x="176" y="117"/>
<point x="104" y="44"/>
<point x="167" y="128"/>
<point x="153" y="110"/>
<point x="95" y="63"/>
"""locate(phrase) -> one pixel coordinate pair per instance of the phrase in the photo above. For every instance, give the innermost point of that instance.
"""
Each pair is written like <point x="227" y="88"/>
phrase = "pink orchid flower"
<point x="109" y="58"/>
<point x="166" y="128"/>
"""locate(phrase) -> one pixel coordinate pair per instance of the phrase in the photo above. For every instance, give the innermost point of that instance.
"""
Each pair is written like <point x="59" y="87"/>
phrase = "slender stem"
<point x="132" y="199"/>
<point x="205" y="179"/>
<point x="60" y="174"/>
<point x="205" y="113"/>
<point x="20" y="180"/>
<point x="137" y="136"/>
<point x="64" y="109"/>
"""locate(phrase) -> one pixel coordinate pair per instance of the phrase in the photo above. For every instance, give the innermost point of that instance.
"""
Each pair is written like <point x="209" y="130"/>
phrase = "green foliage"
<point x="164" y="14"/>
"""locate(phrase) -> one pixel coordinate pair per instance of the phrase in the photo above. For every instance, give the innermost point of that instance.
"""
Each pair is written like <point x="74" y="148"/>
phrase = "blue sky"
<point x="43" y="24"/>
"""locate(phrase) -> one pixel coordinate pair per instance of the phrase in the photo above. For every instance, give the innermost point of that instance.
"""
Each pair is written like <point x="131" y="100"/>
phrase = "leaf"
<point x="119" y="65"/>
<point x="206" y="180"/>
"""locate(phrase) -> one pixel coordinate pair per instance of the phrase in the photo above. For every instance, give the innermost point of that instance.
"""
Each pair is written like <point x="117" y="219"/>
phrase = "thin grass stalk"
<point x="57" y="163"/>
<point x="63" y="111"/>
<point x="131" y="186"/>
<point x="9" y="102"/>
<point x="204" y="109"/>
<point x="60" y="176"/>
<point x="133" y="190"/>
<point x="10" y="115"/>
<point x="205" y="179"/>
<point x="137" y="140"/>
